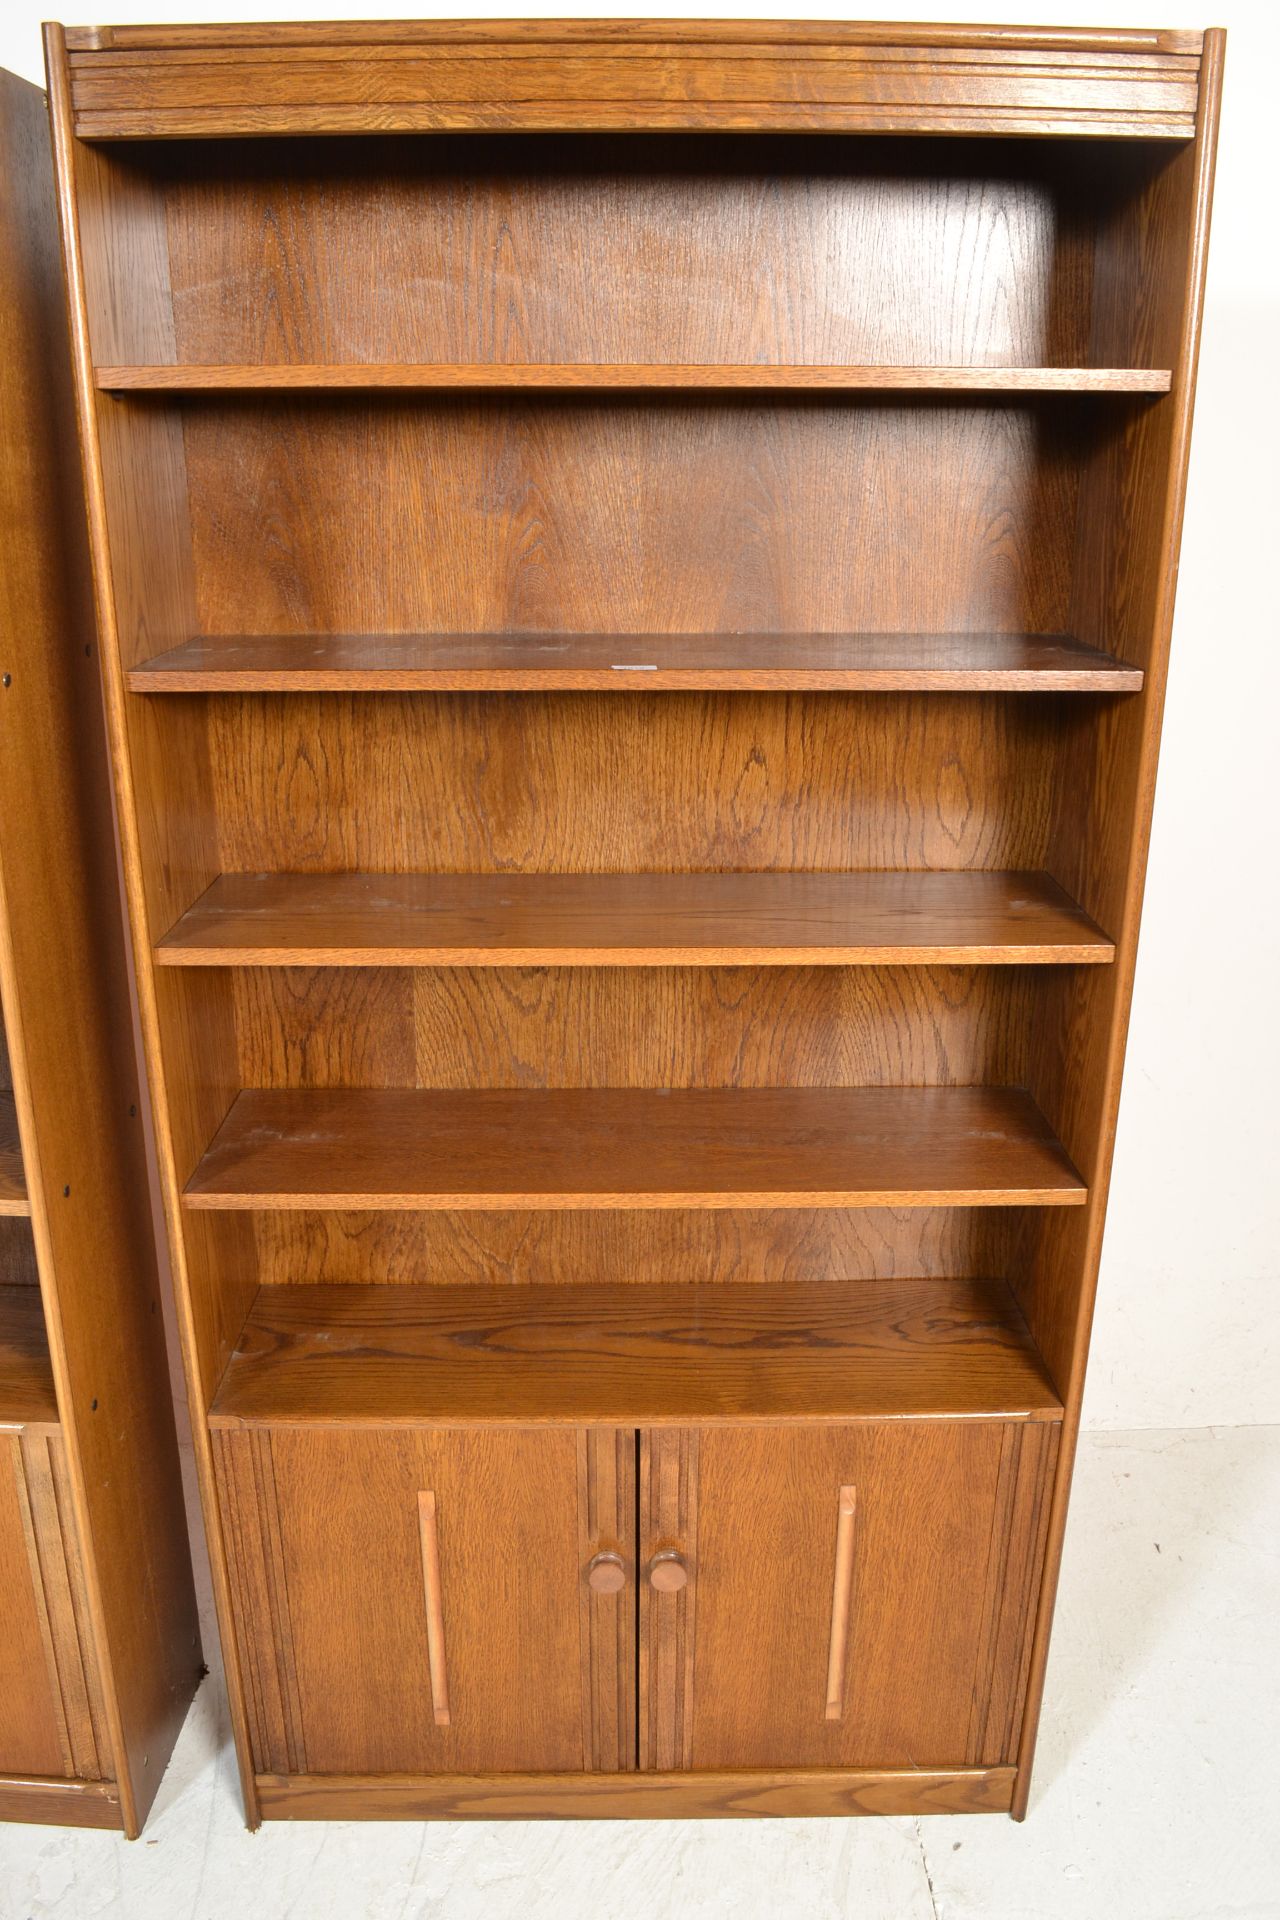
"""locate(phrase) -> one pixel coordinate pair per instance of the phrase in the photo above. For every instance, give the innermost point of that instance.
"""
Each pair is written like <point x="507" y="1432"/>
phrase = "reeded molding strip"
<point x="135" y="83"/>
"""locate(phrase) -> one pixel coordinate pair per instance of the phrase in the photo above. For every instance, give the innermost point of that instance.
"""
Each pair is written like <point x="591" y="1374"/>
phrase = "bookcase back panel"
<point x="642" y="249"/>
<point x="509" y="1247"/>
<point x="17" y="1254"/>
<point x="367" y="515"/>
<point x="638" y="1027"/>
<point x="577" y="783"/>
<point x="740" y="248"/>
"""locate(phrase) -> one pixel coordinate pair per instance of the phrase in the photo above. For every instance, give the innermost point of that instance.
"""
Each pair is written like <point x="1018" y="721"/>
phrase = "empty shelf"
<point x="26" y="1377"/>
<point x="634" y="663"/>
<point x="408" y="1148"/>
<point x="634" y="1355"/>
<point x="562" y="378"/>
<point x="13" y="1184"/>
<point x="632" y="919"/>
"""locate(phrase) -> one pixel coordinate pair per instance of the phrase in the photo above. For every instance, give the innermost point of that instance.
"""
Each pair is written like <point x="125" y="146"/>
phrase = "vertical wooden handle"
<point x="435" y="1607"/>
<point x="841" y="1597"/>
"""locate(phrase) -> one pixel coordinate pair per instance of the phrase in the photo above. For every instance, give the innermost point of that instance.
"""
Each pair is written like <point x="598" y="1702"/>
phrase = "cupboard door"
<point x="433" y="1600"/>
<point x="51" y="1717"/>
<point x="845" y="1595"/>
<point x="29" y="1731"/>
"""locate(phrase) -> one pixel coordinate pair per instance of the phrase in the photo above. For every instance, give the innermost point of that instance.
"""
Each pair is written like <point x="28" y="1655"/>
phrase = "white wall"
<point x="1187" y="1328"/>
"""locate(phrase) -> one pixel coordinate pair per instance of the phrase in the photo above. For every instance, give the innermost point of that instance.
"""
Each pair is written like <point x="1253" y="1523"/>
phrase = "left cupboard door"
<point x="433" y="1600"/>
<point x="51" y="1718"/>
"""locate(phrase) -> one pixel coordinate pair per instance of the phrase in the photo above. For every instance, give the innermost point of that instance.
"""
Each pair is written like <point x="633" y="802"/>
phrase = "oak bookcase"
<point x="634" y="566"/>
<point x="99" y="1645"/>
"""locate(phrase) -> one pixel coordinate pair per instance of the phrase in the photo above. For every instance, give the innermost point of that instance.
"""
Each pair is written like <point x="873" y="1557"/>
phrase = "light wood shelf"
<point x="635" y="663"/>
<point x="642" y="1355"/>
<point x="633" y="919"/>
<point x="13" y="1181"/>
<point x="405" y="1149"/>
<point x="565" y="378"/>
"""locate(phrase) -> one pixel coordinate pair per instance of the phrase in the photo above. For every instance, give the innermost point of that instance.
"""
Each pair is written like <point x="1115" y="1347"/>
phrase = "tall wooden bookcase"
<point x="634" y="566"/>
<point x="99" y="1646"/>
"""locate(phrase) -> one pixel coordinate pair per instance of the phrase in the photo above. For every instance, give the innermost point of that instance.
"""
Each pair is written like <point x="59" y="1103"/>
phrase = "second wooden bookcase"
<point x="635" y="569"/>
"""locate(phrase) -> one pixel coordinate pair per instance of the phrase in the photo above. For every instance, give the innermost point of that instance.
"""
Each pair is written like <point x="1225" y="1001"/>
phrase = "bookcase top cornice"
<point x="141" y="82"/>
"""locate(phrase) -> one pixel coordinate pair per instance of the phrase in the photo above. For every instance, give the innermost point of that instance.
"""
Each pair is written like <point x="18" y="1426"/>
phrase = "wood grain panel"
<point x="858" y="253"/>
<point x="607" y="1621"/>
<point x="17" y="1256"/>
<point x="668" y="1488"/>
<point x="929" y="1499"/>
<point x="640" y="1147"/>
<point x="475" y="783"/>
<point x="349" y="1601"/>
<point x="637" y="515"/>
<point x="298" y="1028"/>
<point x="608" y="1027"/>
<point x="506" y="1248"/>
<point x="643" y="1355"/>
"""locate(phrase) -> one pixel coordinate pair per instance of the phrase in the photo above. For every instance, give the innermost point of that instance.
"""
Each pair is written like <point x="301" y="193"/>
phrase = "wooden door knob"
<point x="668" y="1571"/>
<point x="606" y="1573"/>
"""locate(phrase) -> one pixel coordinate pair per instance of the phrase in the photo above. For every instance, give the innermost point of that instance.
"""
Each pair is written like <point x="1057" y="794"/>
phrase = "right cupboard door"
<point x="846" y="1595"/>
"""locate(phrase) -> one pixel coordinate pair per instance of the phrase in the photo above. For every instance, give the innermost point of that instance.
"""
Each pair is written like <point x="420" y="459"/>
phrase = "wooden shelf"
<point x="564" y="378"/>
<point x="633" y="919"/>
<point x="634" y="663"/>
<point x="408" y="1148"/>
<point x="634" y="1356"/>
<point x="27" y="1397"/>
<point x="13" y="1182"/>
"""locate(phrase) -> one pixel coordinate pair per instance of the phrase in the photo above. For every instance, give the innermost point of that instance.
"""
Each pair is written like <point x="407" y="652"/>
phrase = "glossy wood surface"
<point x="27" y="1396"/>
<point x="640" y="1355"/>
<point x="117" y="1506"/>
<point x="740" y="1147"/>
<point x="657" y="919"/>
<point x="407" y="663"/>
